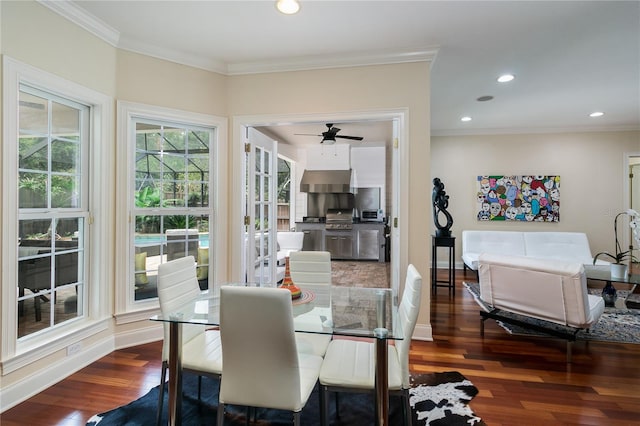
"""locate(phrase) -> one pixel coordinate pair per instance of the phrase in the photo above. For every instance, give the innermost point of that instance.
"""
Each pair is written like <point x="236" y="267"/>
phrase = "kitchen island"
<point x="364" y="241"/>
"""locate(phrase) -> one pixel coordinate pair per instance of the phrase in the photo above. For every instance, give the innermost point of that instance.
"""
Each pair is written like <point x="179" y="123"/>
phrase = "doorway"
<point x="398" y="175"/>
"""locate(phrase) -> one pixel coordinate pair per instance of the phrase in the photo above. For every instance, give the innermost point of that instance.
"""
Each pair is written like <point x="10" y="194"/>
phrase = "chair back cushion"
<point x="177" y="284"/>
<point x="408" y="316"/>
<point x="259" y="348"/>
<point x="310" y="267"/>
<point x="546" y="289"/>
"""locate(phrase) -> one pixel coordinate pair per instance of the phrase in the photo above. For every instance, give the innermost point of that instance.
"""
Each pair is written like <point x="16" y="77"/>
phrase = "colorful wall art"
<point x="519" y="198"/>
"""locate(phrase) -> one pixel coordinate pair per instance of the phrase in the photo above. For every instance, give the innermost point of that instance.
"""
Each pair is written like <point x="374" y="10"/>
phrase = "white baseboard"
<point x="423" y="332"/>
<point x="24" y="389"/>
<point x="139" y="336"/>
<point x="12" y="395"/>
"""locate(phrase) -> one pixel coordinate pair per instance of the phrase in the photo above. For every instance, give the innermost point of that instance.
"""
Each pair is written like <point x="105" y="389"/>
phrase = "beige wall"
<point x="153" y="81"/>
<point x="590" y="165"/>
<point x="33" y="34"/>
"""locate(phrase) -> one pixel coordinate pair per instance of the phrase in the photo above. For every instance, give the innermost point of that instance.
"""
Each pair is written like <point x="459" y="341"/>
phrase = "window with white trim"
<point x="52" y="185"/>
<point x="57" y="189"/>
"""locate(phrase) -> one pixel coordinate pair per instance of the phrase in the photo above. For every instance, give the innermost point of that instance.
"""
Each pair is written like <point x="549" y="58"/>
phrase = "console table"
<point x="450" y="243"/>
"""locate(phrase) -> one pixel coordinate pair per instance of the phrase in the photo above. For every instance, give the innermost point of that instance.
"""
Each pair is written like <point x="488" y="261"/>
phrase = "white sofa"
<point x="550" y="290"/>
<point x="566" y="246"/>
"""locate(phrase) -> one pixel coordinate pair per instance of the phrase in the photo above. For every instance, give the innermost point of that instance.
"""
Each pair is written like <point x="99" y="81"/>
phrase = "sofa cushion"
<point x="495" y="242"/>
<point x="569" y="246"/>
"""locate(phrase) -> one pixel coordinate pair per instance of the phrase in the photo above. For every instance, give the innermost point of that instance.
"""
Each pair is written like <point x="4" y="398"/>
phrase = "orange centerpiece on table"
<point x="287" y="282"/>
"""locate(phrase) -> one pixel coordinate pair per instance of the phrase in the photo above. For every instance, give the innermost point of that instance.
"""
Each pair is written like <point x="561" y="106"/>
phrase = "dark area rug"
<point x="615" y="325"/>
<point x="436" y="399"/>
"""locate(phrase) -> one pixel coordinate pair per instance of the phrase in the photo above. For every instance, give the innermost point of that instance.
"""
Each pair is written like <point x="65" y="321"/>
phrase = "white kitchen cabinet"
<point x="369" y="166"/>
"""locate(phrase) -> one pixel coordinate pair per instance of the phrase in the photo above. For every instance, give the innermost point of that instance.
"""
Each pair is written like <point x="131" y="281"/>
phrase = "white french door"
<point x="261" y="162"/>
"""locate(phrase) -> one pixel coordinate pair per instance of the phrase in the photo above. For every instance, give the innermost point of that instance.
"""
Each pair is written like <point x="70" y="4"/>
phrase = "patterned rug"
<point x="437" y="399"/>
<point x="615" y="325"/>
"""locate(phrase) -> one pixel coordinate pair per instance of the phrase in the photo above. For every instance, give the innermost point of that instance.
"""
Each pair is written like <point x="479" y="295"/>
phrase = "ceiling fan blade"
<point x="305" y="134"/>
<point x="353" y="138"/>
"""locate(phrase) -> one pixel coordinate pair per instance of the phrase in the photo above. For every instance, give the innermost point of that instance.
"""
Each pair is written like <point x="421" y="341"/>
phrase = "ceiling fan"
<point x="329" y="137"/>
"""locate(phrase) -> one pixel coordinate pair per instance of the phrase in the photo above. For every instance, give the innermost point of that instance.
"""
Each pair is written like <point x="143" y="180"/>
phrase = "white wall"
<point x="591" y="167"/>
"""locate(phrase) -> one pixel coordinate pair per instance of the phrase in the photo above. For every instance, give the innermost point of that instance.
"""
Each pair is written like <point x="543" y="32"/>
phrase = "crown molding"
<point x="356" y="59"/>
<point x="171" y="55"/>
<point x="531" y="130"/>
<point x="85" y="20"/>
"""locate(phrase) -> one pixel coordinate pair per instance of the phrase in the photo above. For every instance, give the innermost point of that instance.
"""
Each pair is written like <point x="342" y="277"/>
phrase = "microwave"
<point x="371" y="215"/>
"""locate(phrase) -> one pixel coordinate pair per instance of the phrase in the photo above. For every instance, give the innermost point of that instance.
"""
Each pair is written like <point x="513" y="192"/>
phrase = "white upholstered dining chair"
<point x="263" y="367"/>
<point x="349" y="365"/>
<point x="201" y="351"/>
<point x="310" y="269"/>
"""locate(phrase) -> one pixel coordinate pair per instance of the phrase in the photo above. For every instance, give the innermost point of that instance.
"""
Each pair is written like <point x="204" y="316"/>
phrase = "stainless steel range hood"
<point x="326" y="181"/>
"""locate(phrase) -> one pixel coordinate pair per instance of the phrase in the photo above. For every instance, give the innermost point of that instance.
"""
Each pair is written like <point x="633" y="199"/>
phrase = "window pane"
<point x="65" y="191"/>
<point x="33" y="153"/>
<point x="65" y="156"/>
<point x="32" y="189"/>
<point x="33" y="115"/>
<point x="198" y="195"/>
<point x="65" y="122"/>
<point x="148" y="138"/>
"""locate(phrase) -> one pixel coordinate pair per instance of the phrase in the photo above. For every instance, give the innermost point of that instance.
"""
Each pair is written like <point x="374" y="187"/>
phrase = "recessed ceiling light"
<point x="484" y="98"/>
<point x="505" y="78"/>
<point x="465" y="118"/>
<point x="288" y="7"/>
<point x="596" y="114"/>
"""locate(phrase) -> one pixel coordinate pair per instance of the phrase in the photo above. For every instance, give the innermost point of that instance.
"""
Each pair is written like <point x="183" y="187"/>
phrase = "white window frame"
<point x="15" y="353"/>
<point x="127" y="309"/>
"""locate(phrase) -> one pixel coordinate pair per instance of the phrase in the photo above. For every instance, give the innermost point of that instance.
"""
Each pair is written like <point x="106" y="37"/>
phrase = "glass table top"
<point x="322" y="309"/>
<point x="603" y="273"/>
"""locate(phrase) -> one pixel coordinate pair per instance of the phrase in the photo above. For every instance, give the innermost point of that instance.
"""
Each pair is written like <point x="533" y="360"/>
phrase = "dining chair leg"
<point x="296" y="418"/>
<point x="163" y="375"/>
<point x="337" y="405"/>
<point x="406" y="408"/>
<point x="324" y="406"/>
<point x="220" y="416"/>
<point x="199" y="387"/>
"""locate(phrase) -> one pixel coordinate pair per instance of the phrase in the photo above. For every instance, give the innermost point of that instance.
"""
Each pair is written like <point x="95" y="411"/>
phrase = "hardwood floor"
<point x="522" y="381"/>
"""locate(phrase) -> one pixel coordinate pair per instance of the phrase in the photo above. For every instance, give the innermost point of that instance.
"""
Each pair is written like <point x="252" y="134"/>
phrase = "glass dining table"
<point x="321" y="309"/>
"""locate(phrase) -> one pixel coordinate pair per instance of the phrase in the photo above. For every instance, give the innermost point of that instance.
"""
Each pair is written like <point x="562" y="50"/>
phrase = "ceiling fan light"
<point x="288" y="7"/>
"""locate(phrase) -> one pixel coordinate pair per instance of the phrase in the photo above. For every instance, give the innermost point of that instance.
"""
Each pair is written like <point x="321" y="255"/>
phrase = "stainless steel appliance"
<point x="368" y="244"/>
<point x="372" y="215"/>
<point x="368" y="204"/>
<point x="338" y="235"/>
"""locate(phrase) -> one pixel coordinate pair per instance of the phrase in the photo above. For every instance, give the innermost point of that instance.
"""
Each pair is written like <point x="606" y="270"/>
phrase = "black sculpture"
<point x="440" y="203"/>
